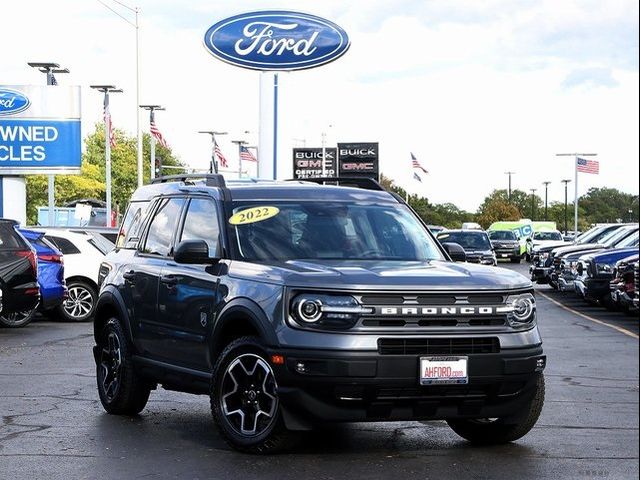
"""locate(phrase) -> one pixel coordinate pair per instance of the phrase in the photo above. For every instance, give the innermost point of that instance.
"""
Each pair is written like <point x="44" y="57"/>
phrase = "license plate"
<point x="504" y="255"/>
<point x="443" y="370"/>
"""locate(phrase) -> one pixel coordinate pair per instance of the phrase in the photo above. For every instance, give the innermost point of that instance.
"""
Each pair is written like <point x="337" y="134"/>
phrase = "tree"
<point x="497" y="210"/>
<point x="519" y="199"/>
<point x="609" y="205"/>
<point x="91" y="182"/>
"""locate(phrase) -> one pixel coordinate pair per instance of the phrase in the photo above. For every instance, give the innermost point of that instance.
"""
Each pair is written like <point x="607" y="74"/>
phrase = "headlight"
<point x="520" y="309"/>
<point x="331" y="312"/>
<point x="603" y="268"/>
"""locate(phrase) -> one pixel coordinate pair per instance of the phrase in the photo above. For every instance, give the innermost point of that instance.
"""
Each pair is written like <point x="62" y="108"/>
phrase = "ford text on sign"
<point x="39" y="130"/>
<point x="276" y="40"/>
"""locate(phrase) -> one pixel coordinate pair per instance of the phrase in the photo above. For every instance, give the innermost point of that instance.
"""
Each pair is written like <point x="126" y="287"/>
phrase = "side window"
<point x="162" y="226"/>
<point x="201" y="223"/>
<point x="133" y="220"/>
<point x="64" y="245"/>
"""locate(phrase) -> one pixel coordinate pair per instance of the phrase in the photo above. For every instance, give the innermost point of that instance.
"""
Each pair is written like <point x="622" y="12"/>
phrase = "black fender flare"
<point x="250" y="311"/>
<point x="111" y="298"/>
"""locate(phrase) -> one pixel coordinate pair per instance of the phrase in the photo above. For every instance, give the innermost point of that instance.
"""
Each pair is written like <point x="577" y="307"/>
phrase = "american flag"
<point x="246" y="155"/>
<point x="221" y="158"/>
<point x="587" y="166"/>
<point x="156" y="132"/>
<point x="107" y="121"/>
<point x="416" y="164"/>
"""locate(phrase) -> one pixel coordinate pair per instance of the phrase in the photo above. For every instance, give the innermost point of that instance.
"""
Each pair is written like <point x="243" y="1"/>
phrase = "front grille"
<point x="438" y="346"/>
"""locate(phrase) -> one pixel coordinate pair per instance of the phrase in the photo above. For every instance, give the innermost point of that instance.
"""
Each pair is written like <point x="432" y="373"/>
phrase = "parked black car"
<point x="476" y="245"/>
<point x="292" y="304"/>
<point x="505" y="244"/>
<point x="18" y="277"/>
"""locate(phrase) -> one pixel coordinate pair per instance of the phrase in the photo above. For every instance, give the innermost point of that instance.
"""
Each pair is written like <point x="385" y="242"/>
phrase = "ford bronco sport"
<point x="296" y="303"/>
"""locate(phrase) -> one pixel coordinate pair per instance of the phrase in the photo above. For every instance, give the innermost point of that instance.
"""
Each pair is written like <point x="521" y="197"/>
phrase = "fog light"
<point x="300" y="368"/>
<point x="540" y="364"/>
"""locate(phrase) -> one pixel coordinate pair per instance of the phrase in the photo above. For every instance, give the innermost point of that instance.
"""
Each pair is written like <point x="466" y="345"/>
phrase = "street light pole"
<point x="509" y="191"/>
<point x="546" y="196"/>
<point x="533" y="199"/>
<point x="566" y="183"/>
<point x="106" y="90"/>
<point x="152" y="109"/>
<point x="49" y="69"/>
<point x="213" y="168"/>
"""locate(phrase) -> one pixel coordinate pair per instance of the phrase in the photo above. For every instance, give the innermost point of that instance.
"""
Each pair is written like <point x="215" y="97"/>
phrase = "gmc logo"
<point x="426" y="311"/>
<point x="352" y="167"/>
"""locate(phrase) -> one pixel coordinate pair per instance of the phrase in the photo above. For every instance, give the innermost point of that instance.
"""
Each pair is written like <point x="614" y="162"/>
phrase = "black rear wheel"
<point x="120" y="389"/>
<point x="17" y="319"/>
<point x="244" y="399"/>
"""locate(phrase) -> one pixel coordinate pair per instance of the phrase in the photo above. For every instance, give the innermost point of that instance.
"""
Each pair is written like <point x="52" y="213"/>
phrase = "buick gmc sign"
<point x="276" y="40"/>
<point x="12" y="102"/>
<point x="358" y="160"/>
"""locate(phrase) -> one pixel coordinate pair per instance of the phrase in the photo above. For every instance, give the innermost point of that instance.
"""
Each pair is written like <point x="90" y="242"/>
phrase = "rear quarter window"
<point x="132" y="225"/>
<point x="64" y="245"/>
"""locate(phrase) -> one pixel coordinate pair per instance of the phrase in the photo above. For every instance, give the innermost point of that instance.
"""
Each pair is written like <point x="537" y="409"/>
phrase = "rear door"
<point x="187" y="294"/>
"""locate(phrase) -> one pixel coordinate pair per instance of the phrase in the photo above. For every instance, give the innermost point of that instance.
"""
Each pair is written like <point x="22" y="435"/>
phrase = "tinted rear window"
<point x="64" y="245"/>
<point x="9" y="238"/>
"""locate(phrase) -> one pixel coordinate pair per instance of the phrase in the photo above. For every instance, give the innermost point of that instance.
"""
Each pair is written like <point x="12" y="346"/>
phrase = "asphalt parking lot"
<point x="54" y="427"/>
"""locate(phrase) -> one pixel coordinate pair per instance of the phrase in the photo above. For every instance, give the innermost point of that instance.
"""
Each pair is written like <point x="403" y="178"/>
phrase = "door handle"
<point x="129" y="276"/>
<point x="169" y="280"/>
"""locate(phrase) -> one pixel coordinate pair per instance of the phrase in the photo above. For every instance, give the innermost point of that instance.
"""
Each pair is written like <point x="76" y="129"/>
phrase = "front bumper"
<point x="540" y="275"/>
<point x="337" y="386"/>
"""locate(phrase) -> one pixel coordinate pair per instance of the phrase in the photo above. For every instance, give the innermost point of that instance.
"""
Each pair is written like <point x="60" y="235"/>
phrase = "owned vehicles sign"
<point x="39" y="130"/>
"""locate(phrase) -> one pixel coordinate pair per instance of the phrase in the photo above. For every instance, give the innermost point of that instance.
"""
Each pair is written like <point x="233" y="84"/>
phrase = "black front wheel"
<point x="120" y="389"/>
<point x="492" y="431"/>
<point x="244" y="399"/>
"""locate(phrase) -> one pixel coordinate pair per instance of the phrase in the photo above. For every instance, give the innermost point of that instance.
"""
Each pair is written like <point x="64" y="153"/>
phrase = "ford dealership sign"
<point x="12" y="101"/>
<point x="276" y="40"/>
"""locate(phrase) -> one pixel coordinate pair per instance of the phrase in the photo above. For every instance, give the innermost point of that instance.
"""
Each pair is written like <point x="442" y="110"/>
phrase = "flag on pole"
<point x="52" y="79"/>
<point x="156" y="132"/>
<point x="107" y="121"/>
<point x="587" y="166"/>
<point x="246" y="155"/>
<point x="221" y="158"/>
<point x="416" y="164"/>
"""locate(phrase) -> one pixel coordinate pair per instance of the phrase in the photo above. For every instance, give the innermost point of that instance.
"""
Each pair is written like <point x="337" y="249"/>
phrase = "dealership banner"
<point x="307" y="162"/>
<point x="39" y="130"/>
<point x="358" y="160"/>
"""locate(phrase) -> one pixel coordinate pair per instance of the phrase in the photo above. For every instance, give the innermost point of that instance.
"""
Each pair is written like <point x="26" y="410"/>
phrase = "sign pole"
<point x="575" y="166"/>
<point x="107" y="153"/>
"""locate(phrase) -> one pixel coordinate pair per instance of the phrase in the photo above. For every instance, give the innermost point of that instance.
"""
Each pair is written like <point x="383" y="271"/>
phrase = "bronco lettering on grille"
<point x="436" y="311"/>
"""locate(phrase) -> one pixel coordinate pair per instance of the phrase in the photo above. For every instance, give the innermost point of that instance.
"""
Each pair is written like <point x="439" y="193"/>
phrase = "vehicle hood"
<point x="543" y="245"/>
<point x="610" y="256"/>
<point x="562" y="251"/>
<point x="381" y="275"/>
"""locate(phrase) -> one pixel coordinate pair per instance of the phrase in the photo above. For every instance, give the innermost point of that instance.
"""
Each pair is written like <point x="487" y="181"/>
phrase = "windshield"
<point x="630" y="241"/>
<point x="467" y="240"/>
<point x="614" y="237"/>
<point x="502" y="235"/>
<point x="284" y="231"/>
<point x="547" y="236"/>
<point x="587" y="236"/>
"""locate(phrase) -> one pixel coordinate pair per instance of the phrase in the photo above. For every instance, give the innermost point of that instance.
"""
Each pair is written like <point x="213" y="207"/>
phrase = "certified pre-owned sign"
<point x="276" y="40"/>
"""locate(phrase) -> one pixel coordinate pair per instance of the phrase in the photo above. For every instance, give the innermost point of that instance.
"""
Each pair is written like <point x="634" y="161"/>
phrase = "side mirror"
<point x="194" y="252"/>
<point x="455" y="251"/>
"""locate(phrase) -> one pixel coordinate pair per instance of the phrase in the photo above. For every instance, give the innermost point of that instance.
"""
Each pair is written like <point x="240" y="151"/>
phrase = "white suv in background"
<point x="83" y="253"/>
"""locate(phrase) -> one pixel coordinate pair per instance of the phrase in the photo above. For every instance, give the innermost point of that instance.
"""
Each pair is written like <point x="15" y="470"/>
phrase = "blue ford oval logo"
<point x="276" y="40"/>
<point x="12" y="102"/>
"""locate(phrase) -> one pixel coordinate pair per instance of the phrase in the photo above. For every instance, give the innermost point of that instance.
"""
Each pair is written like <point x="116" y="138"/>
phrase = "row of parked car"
<point x="601" y="266"/>
<point x="49" y="270"/>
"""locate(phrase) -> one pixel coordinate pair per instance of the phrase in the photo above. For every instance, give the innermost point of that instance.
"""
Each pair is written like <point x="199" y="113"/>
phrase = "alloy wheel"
<point x="110" y="363"/>
<point x="248" y="395"/>
<point x="17" y="319"/>
<point x="79" y="303"/>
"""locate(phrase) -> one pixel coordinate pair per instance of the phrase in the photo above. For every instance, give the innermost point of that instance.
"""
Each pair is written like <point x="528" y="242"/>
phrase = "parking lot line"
<point x="587" y="317"/>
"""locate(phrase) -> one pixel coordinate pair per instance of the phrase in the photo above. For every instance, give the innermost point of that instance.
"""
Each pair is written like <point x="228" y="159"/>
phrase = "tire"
<point x="17" y="319"/>
<point x="120" y="389"/>
<point x="502" y="430"/>
<point x="243" y="362"/>
<point x="81" y="304"/>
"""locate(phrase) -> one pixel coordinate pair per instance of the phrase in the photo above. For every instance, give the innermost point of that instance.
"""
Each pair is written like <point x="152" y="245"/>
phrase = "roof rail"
<point x="358" y="182"/>
<point x="211" y="179"/>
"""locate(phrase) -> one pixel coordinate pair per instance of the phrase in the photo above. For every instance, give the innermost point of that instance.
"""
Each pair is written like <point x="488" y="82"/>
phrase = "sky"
<point x="472" y="88"/>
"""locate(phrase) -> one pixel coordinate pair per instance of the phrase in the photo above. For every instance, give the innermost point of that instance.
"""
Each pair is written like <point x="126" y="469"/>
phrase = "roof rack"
<point x="211" y="179"/>
<point x="358" y="182"/>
